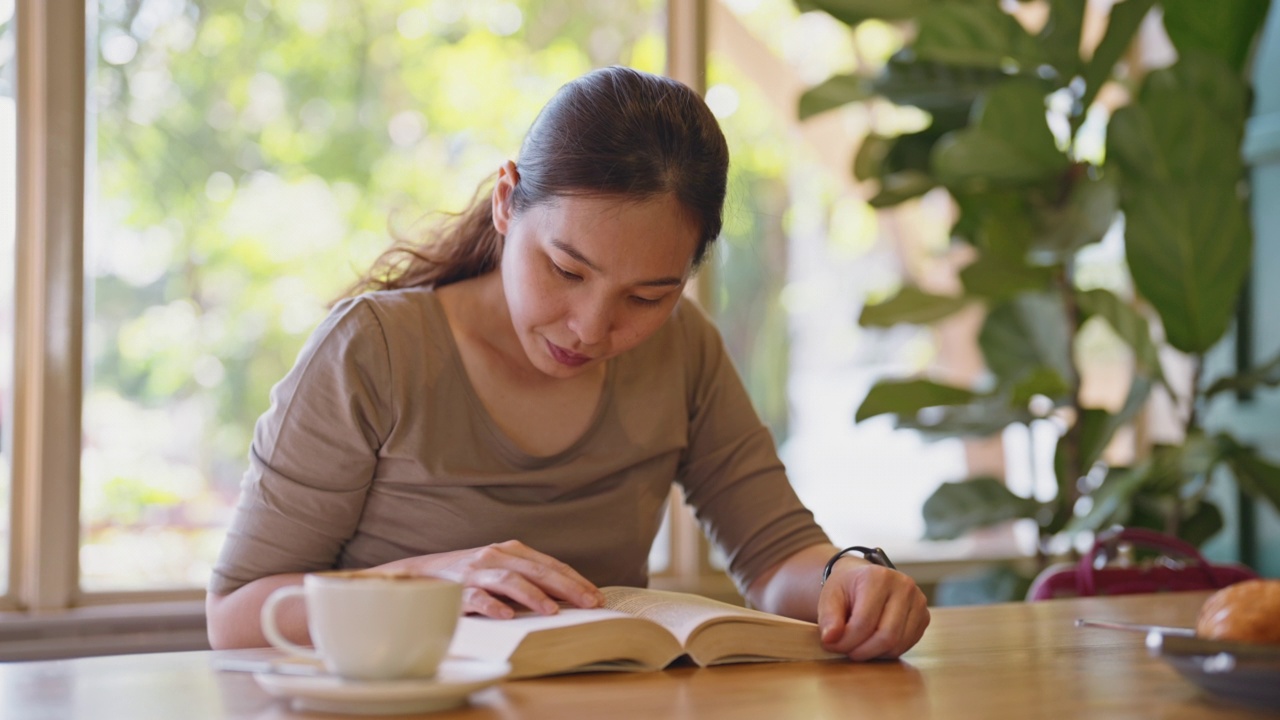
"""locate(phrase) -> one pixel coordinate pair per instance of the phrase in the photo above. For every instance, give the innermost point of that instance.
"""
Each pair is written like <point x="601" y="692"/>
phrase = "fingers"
<point x="510" y="584"/>
<point x="513" y="571"/>
<point x="917" y="621"/>
<point x="833" y="612"/>
<point x="531" y="575"/>
<point x="478" y="602"/>
<point x="866" y="602"/>
<point x="878" y="622"/>
<point x="887" y="614"/>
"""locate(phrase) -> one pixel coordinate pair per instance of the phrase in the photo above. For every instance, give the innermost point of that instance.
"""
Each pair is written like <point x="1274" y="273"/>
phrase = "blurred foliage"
<point x="252" y="157"/>
<point x="1010" y="115"/>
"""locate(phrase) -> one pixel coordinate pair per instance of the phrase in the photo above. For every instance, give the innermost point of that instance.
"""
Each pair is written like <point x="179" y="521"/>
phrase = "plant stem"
<point x="1173" y="518"/>
<point x="1069" y="483"/>
<point x="1193" y="396"/>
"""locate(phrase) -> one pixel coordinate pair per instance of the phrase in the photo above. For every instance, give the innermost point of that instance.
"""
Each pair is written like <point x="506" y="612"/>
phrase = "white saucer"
<point x="453" y="682"/>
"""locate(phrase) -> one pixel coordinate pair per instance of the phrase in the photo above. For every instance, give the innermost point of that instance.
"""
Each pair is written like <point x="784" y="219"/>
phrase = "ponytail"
<point x="465" y="245"/>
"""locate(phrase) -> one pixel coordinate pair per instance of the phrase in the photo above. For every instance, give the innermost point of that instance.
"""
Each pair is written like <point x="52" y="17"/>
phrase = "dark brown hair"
<point x="614" y="131"/>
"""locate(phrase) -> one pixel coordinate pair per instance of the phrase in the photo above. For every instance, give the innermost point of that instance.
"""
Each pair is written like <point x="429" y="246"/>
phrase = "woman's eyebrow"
<point x="572" y="252"/>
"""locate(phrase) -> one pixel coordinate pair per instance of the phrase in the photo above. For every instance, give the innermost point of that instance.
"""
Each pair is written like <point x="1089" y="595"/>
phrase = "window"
<point x="8" y="228"/>
<point x="250" y="157"/>
<point x="246" y="158"/>
<point x="803" y="252"/>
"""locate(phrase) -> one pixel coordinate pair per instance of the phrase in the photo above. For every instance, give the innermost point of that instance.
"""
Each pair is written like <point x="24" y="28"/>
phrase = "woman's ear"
<point x="508" y="176"/>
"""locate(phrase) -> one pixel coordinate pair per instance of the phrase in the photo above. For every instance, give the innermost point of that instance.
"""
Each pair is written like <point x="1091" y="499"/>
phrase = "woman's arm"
<point x="510" y="570"/>
<point x="234" y="618"/>
<point x="864" y="611"/>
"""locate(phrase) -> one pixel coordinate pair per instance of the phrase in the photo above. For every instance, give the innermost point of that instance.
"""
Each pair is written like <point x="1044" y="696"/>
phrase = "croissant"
<point x="1245" y="612"/>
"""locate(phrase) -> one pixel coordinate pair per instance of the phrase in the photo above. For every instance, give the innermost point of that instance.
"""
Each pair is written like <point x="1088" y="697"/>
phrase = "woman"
<point x="511" y="404"/>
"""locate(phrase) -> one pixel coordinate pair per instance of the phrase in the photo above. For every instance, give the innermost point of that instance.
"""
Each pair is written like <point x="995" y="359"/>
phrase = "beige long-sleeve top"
<point x="377" y="448"/>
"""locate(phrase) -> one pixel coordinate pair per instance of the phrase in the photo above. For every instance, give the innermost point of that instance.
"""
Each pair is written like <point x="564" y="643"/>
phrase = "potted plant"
<point x="1029" y="200"/>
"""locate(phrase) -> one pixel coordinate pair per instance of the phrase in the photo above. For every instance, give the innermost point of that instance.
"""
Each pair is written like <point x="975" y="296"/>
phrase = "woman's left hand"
<point x="870" y="612"/>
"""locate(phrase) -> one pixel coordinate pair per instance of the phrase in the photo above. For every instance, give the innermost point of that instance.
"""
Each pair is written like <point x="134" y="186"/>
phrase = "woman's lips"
<point x="566" y="357"/>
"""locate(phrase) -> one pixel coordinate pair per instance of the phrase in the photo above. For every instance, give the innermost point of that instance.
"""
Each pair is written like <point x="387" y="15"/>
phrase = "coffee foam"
<point x="395" y="576"/>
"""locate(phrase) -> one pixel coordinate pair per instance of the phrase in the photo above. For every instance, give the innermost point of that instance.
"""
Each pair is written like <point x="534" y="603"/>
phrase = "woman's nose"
<point x="591" y="322"/>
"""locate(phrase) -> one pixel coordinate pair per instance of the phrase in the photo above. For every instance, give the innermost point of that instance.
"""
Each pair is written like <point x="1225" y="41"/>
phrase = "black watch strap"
<point x="875" y="556"/>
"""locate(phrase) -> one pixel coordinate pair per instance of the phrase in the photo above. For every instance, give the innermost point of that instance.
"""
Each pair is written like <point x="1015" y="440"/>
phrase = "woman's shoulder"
<point x="396" y="311"/>
<point x="696" y="328"/>
<point x="414" y="301"/>
<point x="408" y="321"/>
<point x="684" y="341"/>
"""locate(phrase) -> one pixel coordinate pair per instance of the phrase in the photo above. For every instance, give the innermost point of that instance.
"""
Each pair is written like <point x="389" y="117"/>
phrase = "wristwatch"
<point x="875" y="556"/>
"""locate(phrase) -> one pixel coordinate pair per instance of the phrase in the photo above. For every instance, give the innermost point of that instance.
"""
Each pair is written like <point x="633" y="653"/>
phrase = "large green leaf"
<point x="1097" y="426"/>
<point x="955" y="508"/>
<point x="1176" y="469"/>
<point x="1043" y="223"/>
<point x="983" y="417"/>
<point x="1025" y="333"/>
<point x="879" y="155"/>
<point x="900" y="187"/>
<point x="1201" y="523"/>
<point x="905" y="398"/>
<point x="1060" y="36"/>
<point x="975" y="35"/>
<point x="902" y="163"/>
<point x="869" y="162"/>
<point x="1131" y="327"/>
<point x="833" y="92"/>
<point x="1109" y="502"/>
<point x="852" y="12"/>
<point x="1040" y="381"/>
<point x="1188" y="241"/>
<point x="997" y="222"/>
<point x="910" y="305"/>
<point x="1267" y="375"/>
<point x="1008" y="144"/>
<point x="1125" y="18"/>
<point x="1132" y="147"/>
<point x="1256" y="475"/>
<point x="1061" y="229"/>
<point x="998" y="277"/>
<point x="938" y="88"/>
<point x="1224" y="28"/>
<point x="1188" y="248"/>
<point x="1186" y="125"/>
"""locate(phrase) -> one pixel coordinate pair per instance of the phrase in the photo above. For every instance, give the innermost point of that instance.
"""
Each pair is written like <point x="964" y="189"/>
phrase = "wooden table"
<point x="997" y="661"/>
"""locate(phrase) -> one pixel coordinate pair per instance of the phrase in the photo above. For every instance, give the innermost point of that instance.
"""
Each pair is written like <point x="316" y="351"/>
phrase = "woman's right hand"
<point x="510" y="570"/>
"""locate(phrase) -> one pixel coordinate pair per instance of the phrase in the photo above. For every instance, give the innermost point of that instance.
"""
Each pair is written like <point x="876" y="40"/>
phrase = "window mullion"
<point x="49" y="294"/>
<point x="687" y="62"/>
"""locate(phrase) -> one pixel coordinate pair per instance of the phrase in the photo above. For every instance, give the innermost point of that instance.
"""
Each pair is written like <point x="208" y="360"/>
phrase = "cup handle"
<point x="268" y="619"/>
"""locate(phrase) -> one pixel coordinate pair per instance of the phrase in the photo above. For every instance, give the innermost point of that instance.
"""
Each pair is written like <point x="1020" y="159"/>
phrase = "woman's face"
<point x="588" y="278"/>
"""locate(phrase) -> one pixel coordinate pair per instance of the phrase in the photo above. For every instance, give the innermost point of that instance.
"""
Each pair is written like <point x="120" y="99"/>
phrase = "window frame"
<point x="49" y="304"/>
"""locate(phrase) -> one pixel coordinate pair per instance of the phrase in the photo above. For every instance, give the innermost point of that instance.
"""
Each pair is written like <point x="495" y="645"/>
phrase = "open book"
<point x="637" y="630"/>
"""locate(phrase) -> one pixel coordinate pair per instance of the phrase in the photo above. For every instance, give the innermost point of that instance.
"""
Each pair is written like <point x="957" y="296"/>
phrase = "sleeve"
<point x="313" y="453"/>
<point x="731" y="472"/>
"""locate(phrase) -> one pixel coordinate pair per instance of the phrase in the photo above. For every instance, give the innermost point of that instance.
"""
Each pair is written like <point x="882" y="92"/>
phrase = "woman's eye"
<point x="565" y="273"/>
<point x="645" y="301"/>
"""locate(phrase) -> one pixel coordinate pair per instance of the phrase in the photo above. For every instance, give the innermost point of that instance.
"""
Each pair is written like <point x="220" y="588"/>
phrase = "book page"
<point x="491" y="639"/>
<point x="682" y="613"/>
<point x="573" y="640"/>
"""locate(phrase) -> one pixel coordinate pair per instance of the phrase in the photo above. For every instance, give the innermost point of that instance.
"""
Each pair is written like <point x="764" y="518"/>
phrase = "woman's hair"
<point x="614" y="131"/>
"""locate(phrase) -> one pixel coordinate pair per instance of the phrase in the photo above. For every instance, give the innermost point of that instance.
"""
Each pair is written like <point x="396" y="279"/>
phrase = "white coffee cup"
<point x="371" y="626"/>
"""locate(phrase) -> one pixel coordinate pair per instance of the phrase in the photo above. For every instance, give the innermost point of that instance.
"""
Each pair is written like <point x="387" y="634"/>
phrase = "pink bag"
<point x="1179" y="567"/>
